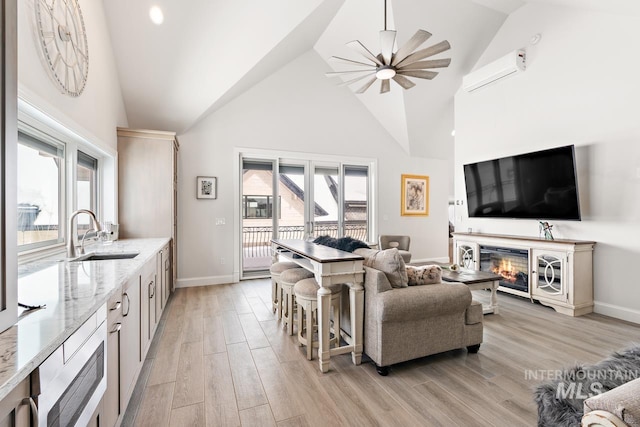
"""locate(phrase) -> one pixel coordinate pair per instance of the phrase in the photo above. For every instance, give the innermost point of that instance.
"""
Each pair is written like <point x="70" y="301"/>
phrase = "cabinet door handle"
<point x="116" y="327"/>
<point x="152" y="289"/>
<point x="34" y="409"/>
<point x="116" y="306"/>
<point x="128" y="304"/>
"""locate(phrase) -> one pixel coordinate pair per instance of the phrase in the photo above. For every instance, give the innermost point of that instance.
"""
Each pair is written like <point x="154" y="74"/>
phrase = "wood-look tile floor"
<point x="221" y="358"/>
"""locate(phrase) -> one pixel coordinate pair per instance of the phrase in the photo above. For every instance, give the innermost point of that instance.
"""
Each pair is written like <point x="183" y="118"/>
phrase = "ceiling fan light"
<point x="385" y="73"/>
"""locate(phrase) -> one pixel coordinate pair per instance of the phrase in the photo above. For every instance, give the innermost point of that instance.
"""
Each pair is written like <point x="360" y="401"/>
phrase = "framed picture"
<point x="415" y="195"/>
<point x="206" y="187"/>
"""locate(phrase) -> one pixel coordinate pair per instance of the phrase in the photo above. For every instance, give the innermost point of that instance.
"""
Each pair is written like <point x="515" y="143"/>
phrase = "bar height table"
<point x="330" y="266"/>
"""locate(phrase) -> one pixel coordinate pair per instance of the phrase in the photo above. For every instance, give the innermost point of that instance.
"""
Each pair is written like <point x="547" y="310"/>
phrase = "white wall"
<point x="296" y="109"/>
<point x="93" y="115"/>
<point x="581" y="88"/>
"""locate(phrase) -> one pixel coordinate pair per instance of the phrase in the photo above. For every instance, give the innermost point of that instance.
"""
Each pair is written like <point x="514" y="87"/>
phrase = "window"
<point x="40" y="191"/>
<point x="258" y="207"/>
<point x="86" y="189"/>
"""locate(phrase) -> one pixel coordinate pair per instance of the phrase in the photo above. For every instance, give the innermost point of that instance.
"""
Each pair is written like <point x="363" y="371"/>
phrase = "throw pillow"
<point x="389" y="261"/>
<point x="424" y="275"/>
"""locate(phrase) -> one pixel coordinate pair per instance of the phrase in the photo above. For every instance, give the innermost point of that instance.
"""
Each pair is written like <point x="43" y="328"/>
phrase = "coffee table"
<point x="477" y="280"/>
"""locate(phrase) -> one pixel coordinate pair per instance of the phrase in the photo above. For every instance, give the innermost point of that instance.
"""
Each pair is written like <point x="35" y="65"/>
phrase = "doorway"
<point x="285" y="198"/>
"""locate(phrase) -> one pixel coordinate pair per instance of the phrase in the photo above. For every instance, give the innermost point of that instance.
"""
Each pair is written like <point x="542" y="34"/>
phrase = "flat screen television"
<point x="540" y="185"/>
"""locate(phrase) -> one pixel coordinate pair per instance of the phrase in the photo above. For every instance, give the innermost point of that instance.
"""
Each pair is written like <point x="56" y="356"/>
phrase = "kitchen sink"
<point x="103" y="256"/>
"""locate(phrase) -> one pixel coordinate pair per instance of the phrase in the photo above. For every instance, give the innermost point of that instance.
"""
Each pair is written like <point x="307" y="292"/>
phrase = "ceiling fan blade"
<point x="421" y="74"/>
<point x="424" y="53"/>
<point x="367" y="85"/>
<point x="414" y="42"/>
<point x="403" y="81"/>
<point x="432" y="63"/>
<point x="385" y="86"/>
<point x="350" y="61"/>
<point x="348" y="82"/>
<point x="387" y="40"/>
<point x="342" y="73"/>
<point x="359" y="47"/>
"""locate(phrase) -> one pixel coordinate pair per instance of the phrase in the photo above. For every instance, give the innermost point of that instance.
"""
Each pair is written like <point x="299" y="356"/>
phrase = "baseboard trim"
<point x="204" y="281"/>
<point x="622" y="313"/>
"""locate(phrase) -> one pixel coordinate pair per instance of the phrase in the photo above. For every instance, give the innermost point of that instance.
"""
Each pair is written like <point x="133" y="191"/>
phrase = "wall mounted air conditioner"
<point x="512" y="63"/>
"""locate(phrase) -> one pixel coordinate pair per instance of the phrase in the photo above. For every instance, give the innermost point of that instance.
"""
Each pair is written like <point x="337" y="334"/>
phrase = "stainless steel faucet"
<point x="71" y="248"/>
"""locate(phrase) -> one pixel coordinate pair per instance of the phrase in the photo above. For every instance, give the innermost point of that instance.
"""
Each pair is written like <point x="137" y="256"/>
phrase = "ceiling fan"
<point x="398" y="66"/>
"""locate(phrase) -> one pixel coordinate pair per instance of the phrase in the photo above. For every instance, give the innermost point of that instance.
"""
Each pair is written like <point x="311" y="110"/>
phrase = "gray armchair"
<point x="402" y="243"/>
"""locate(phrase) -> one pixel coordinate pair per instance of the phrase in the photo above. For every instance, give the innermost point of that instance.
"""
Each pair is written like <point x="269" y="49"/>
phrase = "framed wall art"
<point x="206" y="187"/>
<point x="415" y="195"/>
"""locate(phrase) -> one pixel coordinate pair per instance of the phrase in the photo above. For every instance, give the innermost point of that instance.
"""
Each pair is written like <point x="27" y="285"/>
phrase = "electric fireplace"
<point x="512" y="264"/>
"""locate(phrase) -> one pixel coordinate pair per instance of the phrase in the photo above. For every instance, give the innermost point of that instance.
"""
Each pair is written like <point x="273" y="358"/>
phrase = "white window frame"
<point x="47" y="139"/>
<point x="31" y="118"/>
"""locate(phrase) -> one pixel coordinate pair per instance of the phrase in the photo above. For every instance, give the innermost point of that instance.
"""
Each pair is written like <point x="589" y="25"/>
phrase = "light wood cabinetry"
<point x="15" y="410"/>
<point x="148" y="304"/>
<point x="164" y="278"/>
<point x="560" y="272"/>
<point x="147" y="189"/>
<point x="96" y="417"/>
<point x="132" y="321"/>
<point x="130" y="350"/>
<point x="111" y="403"/>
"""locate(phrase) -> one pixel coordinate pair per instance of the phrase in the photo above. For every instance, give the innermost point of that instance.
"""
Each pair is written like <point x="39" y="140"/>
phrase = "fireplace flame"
<point x="506" y="270"/>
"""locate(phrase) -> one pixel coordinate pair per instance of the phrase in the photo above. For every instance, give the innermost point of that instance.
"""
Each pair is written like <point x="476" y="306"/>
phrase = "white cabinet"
<point x="466" y="254"/>
<point x="548" y="274"/>
<point x="559" y="272"/>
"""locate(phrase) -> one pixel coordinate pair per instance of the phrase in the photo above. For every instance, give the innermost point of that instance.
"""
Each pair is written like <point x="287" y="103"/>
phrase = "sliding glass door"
<point x="299" y="199"/>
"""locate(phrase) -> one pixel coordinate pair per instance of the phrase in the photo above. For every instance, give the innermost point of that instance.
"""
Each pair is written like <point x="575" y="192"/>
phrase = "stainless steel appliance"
<point x="71" y="382"/>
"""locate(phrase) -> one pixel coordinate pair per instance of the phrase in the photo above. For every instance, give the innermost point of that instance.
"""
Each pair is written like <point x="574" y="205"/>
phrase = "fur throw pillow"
<point x="424" y="275"/>
<point x="347" y="244"/>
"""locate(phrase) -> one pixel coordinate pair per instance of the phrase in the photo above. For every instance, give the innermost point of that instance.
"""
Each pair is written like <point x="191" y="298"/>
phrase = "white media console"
<point x="558" y="273"/>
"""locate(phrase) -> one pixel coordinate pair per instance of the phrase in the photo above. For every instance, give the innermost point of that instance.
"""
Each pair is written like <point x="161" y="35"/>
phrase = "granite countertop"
<point x="72" y="292"/>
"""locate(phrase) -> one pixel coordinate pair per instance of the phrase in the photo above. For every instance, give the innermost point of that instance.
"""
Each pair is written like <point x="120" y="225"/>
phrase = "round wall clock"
<point x="64" y="43"/>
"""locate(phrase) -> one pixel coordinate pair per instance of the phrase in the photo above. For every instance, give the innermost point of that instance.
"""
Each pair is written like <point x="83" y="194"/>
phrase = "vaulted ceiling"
<point x="207" y="52"/>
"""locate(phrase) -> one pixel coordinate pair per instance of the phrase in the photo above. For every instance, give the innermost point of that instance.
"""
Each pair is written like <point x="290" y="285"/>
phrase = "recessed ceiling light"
<point x="156" y="15"/>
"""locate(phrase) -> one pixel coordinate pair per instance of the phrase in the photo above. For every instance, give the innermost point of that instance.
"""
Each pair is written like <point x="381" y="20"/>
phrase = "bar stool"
<point x="307" y="299"/>
<point x="288" y="279"/>
<point x="276" y="270"/>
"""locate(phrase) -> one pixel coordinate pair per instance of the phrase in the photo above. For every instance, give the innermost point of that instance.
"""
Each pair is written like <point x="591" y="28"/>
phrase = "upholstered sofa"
<point x="407" y="322"/>
<point x="619" y="407"/>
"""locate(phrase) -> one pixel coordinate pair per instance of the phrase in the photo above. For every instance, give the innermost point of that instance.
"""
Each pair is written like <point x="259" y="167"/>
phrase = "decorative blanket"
<point x="347" y="244"/>
<point x="560" y="402"/>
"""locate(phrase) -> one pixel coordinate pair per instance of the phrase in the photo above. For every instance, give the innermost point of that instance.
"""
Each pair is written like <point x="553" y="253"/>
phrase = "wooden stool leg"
<point x="279" y="301"/>
<point x="300" y="324"/>
<point x="290" y="303"/>
<point x="274" y="294"/>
